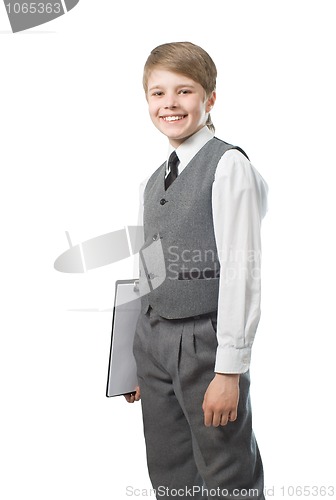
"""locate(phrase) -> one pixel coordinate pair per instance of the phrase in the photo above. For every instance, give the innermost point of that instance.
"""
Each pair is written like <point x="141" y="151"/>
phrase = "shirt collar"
<point x="191" y="146"/>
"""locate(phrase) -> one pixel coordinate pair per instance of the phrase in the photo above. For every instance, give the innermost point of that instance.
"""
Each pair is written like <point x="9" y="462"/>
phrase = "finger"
<point x="208" y="418"/>
<point x="129" y="398"/>
<point x="137" y="394"/>
<point x="216" y="420"/>
<point x="232" y="416"/>
<point x="224" y="419"/>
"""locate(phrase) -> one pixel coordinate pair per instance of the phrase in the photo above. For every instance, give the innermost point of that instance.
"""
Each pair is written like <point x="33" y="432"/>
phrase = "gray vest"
<point x="179" y="266"/>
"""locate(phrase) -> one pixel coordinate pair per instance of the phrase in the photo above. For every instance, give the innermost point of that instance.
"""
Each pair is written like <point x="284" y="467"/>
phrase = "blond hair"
<point x="187" y="59"/>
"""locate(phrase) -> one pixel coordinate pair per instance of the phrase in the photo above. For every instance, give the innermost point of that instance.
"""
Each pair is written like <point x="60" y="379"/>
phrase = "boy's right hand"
<point x="133" y="396"/>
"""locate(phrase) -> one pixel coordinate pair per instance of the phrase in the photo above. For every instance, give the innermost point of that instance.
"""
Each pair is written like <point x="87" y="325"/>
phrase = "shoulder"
<point x="142" y="186"/>
<point x="237" y="166"/>
<point x="236" y="174"/>
<point x="151" y="178"/>
<point x="147" y="182"/>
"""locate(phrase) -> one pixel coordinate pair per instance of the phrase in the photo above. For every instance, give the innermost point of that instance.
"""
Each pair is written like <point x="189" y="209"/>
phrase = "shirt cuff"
<point x="232" y="360"/>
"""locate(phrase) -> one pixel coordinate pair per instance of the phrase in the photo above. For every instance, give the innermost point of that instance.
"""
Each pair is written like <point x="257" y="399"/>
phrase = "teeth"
<point x="172" y="118"/>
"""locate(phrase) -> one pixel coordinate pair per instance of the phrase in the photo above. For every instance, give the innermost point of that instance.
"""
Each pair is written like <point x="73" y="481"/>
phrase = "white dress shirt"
<point x="239" y="202"/>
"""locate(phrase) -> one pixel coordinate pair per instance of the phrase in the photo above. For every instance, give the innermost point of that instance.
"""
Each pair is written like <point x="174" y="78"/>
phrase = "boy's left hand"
<point x="133" y="396"/>
<point x="221" y="400"/>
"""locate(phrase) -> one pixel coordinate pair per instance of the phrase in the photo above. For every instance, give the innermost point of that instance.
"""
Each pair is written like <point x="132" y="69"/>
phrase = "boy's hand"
<point x="133" y="396"/>
<point x="221" y="400"/>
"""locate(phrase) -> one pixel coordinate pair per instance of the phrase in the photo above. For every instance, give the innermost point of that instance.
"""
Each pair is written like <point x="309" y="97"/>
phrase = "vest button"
<point x="155" y="237"/>
<point x="150" y="276"/>
<point x="163" y="201"/>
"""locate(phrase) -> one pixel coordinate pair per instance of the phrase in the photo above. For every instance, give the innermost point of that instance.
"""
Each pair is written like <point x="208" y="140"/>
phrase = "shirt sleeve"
<point x="239" y="202"/>
<point x="139" y="224"/>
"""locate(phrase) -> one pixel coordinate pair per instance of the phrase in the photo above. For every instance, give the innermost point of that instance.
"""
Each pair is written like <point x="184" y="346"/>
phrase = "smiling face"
<point x="178" y="105"/>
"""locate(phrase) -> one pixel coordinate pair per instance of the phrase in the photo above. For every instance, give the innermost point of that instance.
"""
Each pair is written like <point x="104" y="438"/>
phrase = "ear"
<point x="210" y="102"/>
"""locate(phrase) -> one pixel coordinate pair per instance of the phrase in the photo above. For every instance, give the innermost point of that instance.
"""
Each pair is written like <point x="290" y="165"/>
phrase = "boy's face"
<point x="177" y="104"/>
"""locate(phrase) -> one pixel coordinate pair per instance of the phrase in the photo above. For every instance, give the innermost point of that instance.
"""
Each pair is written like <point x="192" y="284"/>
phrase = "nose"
<point x="170" y="101"/>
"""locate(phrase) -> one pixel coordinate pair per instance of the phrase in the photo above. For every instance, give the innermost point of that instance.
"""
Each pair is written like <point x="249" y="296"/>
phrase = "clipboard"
<point x="122" y="371"/>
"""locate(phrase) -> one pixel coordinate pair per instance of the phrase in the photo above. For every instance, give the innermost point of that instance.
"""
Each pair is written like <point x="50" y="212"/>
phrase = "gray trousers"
<point x="175" y="362"/>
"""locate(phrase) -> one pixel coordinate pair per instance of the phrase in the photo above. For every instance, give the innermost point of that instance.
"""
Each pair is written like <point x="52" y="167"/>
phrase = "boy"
<point x="198" y="320"/>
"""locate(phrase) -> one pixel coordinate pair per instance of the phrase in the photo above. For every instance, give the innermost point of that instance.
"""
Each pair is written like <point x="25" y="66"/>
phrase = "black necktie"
<point x="173" y="172"/>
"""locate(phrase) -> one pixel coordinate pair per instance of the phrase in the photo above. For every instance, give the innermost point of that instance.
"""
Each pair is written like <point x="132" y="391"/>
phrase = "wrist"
<point x="227" y="375"/>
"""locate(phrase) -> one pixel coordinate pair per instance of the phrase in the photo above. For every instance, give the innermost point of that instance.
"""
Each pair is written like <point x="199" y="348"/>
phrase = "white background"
<point x="76" y="141"/>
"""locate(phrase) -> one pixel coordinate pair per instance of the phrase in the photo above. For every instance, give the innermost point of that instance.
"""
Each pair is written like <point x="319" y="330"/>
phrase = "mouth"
<point x="172" y="118"/>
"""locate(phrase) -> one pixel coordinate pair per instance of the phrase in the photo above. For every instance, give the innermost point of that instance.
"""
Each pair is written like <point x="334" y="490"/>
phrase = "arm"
<point x="135" y="396"/>
<point x="139" y="223"/>
<point x="239" y="198"/>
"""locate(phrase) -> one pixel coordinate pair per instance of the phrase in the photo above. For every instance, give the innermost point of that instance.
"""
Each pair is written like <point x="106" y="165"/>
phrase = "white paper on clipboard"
<point x="122" y="373"/>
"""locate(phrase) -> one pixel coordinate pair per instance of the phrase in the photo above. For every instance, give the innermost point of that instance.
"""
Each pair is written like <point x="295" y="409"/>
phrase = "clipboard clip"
<point x="136" y="286"/>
